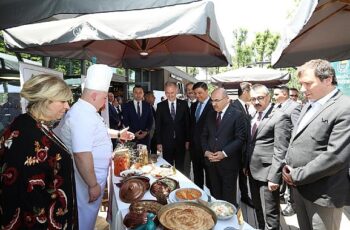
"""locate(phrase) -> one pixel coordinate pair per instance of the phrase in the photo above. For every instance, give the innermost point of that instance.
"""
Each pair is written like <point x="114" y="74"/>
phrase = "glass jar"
<point x="121" y="159"/>
<point x="143" y="154"/>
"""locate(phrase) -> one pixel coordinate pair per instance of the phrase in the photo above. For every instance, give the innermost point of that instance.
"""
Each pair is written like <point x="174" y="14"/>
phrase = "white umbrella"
<point x="269" y="77"/>
<point x="320" y="29"/>
<point x="181" y="35"/>
<point x="21" y="12"/>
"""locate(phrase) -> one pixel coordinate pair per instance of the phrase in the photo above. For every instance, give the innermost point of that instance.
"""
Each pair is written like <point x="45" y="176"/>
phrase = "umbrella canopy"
<point x="269" y="77"/>
<point x="181" y="35"/>
<point x="22" y="12"/>
<point x="320" y="29"/>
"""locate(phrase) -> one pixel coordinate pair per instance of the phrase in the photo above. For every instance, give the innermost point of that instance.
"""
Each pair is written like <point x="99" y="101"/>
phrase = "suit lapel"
<point x="205" y="110"/>
<point x="224" y="119"/>
<point x="331" y="101"/>
<point x="265" y="119"/>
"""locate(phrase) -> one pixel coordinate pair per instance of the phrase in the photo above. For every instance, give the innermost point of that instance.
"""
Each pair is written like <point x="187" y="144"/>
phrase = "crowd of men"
<point x="269" y="142"/>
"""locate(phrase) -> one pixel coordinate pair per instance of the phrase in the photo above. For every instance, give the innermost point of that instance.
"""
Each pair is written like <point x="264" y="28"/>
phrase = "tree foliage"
<point x="243" y="52"/>
<point x="264" y="45"/>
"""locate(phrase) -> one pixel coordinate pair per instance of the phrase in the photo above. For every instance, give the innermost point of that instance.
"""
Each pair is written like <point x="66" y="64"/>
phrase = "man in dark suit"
<point x="222" y="140"/>
<point x="114" y="120"/>
<point x="199" y="111"/>
<point x="319" y="151"/>
<point x="270" y="138"/>
<point x="292" y="109"/>
<point x="190" y="99"/>
<point x="137" y="115"/>
<point x="242" y="105"/>
<point x="172" y="127"/>
<point x="150" y="99"/>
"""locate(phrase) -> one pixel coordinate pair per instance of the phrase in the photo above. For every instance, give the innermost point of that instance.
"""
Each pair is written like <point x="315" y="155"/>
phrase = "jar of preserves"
<point x="143" y="154"/>
<point x="121" y="159"/>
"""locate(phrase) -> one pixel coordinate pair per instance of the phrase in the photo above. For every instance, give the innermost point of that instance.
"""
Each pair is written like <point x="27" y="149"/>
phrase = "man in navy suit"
<point x="199" y="111"/>
<point x="172" y="127"/>
<point x="137" y="115"/>
<point x="222" y="139"/>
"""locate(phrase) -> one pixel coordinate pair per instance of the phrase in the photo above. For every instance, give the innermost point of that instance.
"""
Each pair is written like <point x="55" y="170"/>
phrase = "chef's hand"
<point x="272" y="186"/>
<point x="125" y="135"/>
<point x="286" y="175"/>
<point x="94" y="192"/>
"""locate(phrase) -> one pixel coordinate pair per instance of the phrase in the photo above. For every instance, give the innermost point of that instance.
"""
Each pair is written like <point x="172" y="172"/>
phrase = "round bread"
<point x="186" y="217"/>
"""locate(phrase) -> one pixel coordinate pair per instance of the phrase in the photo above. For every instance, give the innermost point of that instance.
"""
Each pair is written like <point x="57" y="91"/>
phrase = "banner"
<point x="342" y="72"/>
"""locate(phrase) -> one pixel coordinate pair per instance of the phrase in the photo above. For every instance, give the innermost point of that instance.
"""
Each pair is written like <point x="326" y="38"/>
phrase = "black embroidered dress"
<point x="37" y="187"/>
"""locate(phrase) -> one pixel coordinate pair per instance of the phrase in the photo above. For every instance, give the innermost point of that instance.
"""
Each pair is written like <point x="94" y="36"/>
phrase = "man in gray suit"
<point x="292" y="109"/>
<point x="270" y="138"/>
<point x="285" y="104"/>
<point x="319" y="151"/>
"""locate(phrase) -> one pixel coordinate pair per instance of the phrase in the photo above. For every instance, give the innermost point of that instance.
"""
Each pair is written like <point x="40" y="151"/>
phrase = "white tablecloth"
<point x="120" y="209"/>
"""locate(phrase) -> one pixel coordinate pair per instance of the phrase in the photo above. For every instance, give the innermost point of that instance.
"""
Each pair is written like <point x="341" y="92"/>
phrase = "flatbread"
<point x="186" y="217"/>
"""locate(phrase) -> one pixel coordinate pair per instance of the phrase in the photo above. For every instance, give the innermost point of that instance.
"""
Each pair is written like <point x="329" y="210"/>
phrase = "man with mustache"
<point x="270" y="130"/>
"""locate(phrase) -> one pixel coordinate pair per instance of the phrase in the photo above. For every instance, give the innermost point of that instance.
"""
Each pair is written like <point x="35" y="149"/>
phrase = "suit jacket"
<point x="114" y="118"/>
<point x="197" y="127"/>
<point x="136" y="123"/>
<point x="269" y="146"/>
<point x="320" y="154"/>
<point x="229" y="138"/>
<point x="237" y="105"/>
<point x="166" y="127"/>
<point x="293" y="109"/>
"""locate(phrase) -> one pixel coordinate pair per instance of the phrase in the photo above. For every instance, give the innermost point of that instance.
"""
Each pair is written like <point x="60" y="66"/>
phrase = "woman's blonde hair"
<point x="43" y="89"/>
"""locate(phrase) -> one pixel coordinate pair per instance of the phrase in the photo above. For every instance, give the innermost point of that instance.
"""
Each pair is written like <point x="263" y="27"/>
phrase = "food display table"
<point x="120" y="209"/>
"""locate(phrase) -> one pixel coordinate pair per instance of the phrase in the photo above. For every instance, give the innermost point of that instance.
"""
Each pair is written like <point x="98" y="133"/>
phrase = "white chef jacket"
<point x="83" y="130"/>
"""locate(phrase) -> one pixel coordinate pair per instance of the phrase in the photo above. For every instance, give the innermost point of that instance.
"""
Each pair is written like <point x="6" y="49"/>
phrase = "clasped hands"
<point x="139" y="135"/>
<point x="214" y="157"/>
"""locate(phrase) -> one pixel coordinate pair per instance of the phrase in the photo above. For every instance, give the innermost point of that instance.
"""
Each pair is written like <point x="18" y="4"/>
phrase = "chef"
<point x="88" y="138"/>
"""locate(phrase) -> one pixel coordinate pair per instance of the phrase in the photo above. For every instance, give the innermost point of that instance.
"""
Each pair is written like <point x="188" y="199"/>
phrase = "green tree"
<point x="242" y="51"/>
<point x="263" y="45"/>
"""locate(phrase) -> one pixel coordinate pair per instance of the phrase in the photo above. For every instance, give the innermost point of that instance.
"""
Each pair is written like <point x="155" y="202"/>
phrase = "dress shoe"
<point x="288" y="211"/>
<point x="248" y="201"/>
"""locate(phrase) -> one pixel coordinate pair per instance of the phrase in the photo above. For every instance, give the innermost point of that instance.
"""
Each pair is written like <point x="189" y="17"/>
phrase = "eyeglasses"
<point x="259" y="99"/>
<point x="217" y="100"/>
<point x="291" y="95"/>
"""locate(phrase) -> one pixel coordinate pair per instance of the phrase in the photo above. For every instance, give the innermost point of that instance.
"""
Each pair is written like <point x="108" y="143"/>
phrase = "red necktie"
<point x="218" y="120"/>
<point x="255" y="126"/>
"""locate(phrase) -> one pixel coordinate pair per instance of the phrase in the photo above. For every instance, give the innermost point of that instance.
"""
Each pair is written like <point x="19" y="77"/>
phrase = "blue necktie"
<point x="198" y="111"/>
<point x="172" y="111"/>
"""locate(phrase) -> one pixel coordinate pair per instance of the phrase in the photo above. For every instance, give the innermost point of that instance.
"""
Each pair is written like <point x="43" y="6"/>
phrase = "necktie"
<point x="218" y="119"/>
<point x="198" y="111"/>
<point x="138" y="109"/>
<point x="246" y="108"/>
<point x="172" y="111"/>
<point x="255" y="126"/>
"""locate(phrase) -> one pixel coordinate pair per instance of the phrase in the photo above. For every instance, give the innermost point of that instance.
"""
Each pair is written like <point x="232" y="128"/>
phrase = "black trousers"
<point x="174" y="153"/>
<point x="266" y="203"/>
<point x="223" y="181"/>
<point x="197" y="158"/>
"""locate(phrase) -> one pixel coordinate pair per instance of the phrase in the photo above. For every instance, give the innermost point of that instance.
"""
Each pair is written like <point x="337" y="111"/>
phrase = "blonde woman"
<point x="37" y="187"/>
